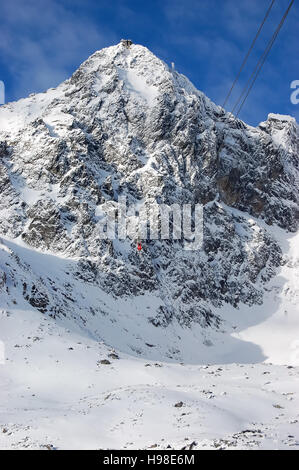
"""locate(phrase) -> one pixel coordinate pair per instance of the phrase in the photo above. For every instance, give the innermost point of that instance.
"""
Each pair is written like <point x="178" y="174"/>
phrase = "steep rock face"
<point x="126" y="125"/>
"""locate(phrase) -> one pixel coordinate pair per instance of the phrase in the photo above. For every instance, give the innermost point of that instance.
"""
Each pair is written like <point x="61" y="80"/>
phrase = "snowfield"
<point x="56" y="393"/>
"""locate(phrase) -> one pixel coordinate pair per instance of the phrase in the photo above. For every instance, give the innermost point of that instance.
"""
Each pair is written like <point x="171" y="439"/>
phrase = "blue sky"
<point x="42" y="42"/>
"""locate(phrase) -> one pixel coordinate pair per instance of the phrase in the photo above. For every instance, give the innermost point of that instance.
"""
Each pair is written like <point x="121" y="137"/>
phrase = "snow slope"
<point x="56" y="393"/>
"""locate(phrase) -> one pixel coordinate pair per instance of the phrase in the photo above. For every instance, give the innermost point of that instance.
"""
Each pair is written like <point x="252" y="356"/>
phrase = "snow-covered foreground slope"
<point x="55" y="392"/>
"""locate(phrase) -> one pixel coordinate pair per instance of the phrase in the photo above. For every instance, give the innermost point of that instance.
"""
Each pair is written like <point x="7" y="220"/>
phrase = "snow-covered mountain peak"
<point x="284" y="130"/>
<point x="99" y="340"/>
<point x="126" y="124"/>
<point x="281" y="118"/>
<point x="138" y="63"/>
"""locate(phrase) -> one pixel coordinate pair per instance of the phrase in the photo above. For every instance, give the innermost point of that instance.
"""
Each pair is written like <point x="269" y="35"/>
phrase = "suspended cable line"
<point x="252" y="79"/>
<point x="248" y="53"/>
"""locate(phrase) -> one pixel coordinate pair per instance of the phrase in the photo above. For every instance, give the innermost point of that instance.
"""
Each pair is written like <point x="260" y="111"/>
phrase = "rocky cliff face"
<point x="125" y="124"/>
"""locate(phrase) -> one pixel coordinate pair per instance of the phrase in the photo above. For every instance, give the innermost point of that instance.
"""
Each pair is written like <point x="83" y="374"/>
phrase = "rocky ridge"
<point x="125" y="124"/>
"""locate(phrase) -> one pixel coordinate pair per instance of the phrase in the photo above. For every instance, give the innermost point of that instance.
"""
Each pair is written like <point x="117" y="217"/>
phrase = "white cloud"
<point x="42" y="42"/>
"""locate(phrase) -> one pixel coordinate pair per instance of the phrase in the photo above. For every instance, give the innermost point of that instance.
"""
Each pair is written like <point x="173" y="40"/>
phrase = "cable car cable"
<point x="248" y="53"/>
<point x="260" y="63"/>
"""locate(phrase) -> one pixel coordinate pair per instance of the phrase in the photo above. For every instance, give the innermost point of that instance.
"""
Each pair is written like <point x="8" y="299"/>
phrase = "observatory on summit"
<point x="126" y="43"/>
